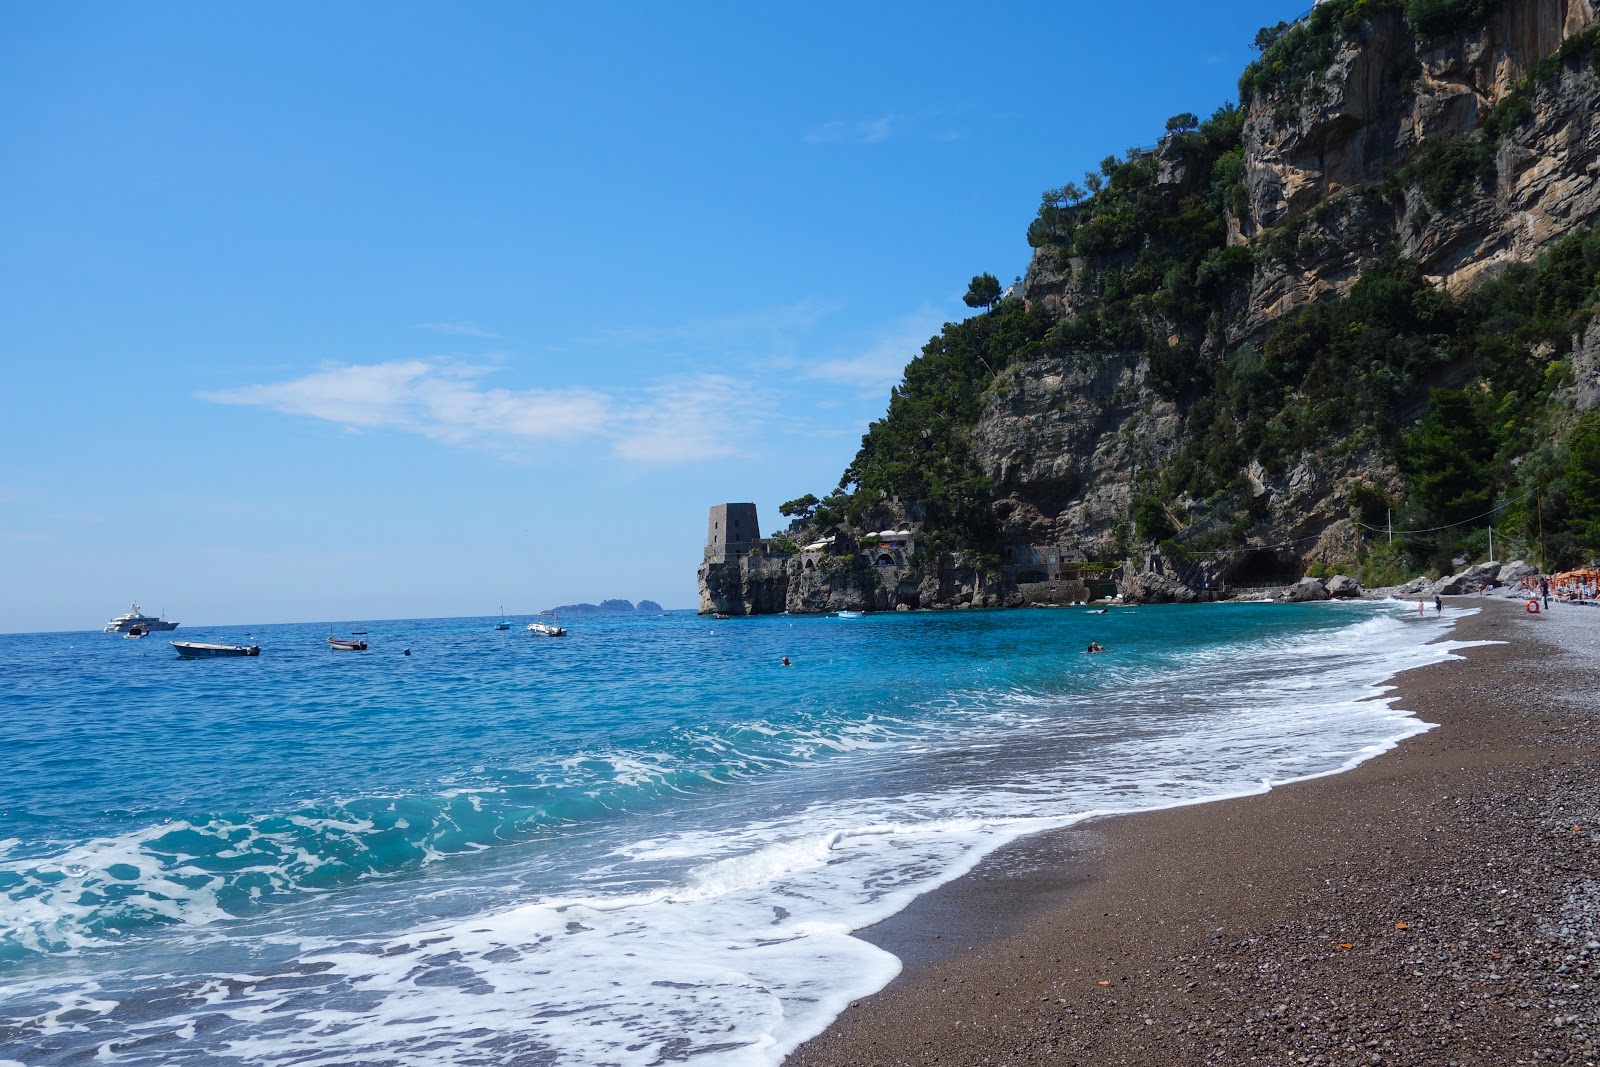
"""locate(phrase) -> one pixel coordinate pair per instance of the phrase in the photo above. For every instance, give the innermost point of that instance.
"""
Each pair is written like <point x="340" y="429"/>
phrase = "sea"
<point x="646" y="842"/>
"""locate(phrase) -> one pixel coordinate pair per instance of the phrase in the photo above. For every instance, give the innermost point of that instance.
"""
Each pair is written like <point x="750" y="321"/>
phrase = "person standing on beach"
<point x="1544" y="591"/>
<point x="1438" y="605"/>
<point x="1422" y="609"/>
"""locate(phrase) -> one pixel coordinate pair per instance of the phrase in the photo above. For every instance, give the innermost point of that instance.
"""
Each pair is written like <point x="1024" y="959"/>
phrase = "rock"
<point x="1450" y="585"/>
<point x="1306" y="589"/>
<point x="1418" y="586"/>
<point x="1341" y="586"/>
<point x="1156" y="589"/>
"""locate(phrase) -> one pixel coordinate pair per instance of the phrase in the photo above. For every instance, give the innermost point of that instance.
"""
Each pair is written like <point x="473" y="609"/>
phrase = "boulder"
<point x="1450" y="585"/>
<point x="1306" y="589"/>
<point x="1517" y="570"/>
<point x="1342" y="586"/>
<point x="1418" y="586"/>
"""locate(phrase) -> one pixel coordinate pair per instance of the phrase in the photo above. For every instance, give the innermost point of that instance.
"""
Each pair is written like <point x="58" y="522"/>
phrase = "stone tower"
<point x="731" y="531"/>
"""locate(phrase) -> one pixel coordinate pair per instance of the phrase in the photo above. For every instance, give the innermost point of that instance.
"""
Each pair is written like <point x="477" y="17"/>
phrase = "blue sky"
<point x="364" y="311"/>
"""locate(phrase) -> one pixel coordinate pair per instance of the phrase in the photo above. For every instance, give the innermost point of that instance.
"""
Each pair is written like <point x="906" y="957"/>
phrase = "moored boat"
<point x="502" y="624"/>
<point x="136" y="630"/>
<point x="134" y="617"/>
<point x="203" y="650"/>
<point x="353" y="643"/>
<point x="548" y="629"/>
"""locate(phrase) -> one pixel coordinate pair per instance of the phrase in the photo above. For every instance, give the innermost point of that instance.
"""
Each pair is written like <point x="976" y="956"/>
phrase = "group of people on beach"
<point x="1422" y="608"/>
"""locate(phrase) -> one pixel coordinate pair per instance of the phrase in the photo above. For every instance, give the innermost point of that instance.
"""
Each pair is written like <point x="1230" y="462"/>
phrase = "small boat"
<point x="502" y="624"/>
<point x="848" y="614"/>
<point x="548" y="629"/>
<point x="138" y="629"/>
<point x="201" y="650"/>
<point x="353" y="643"/>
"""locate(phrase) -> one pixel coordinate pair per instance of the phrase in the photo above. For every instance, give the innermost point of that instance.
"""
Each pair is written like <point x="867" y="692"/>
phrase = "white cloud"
<point x="465" y="328"/>
<point x="860" y="131"/>
<point x="694" y="418"/>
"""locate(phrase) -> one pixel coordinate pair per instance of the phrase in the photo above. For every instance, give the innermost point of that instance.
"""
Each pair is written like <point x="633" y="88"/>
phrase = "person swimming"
<point x="1095" y="646"/>
<point x="786" y="662"/>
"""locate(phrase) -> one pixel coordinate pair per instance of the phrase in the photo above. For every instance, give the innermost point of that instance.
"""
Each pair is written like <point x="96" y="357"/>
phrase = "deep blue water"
<point x="644" y="839"/>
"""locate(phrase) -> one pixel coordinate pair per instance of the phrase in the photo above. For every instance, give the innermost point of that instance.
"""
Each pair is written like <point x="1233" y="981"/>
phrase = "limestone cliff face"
<point x="1067" y="438"/>
<point x="1313" y="163"/>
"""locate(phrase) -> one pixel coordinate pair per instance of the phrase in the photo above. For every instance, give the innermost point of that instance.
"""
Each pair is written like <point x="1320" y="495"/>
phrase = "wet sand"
<point x="1439" y="904"/>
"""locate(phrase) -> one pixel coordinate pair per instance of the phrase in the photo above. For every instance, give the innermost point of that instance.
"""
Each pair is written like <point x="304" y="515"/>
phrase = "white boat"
<point x="134" y="617"/>
<point x="548" y="629"/>
<point x="848" y="614"/>
<point x="201" y="650"/>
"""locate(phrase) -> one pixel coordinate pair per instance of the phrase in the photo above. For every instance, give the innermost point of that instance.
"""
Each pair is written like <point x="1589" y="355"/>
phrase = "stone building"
<point x="732" y="531"/>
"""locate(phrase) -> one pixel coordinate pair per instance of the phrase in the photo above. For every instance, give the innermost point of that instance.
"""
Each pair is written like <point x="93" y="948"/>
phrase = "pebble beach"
<point x="1439" y="904"/>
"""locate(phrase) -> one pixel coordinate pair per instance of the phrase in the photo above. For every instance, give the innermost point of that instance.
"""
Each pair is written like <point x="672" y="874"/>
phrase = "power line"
<point x="1464" y="522"/>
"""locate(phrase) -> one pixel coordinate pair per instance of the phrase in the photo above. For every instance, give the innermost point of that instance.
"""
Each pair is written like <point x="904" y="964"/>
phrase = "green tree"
<point x="984" y="292"/>
<point x="802" y="507"/>
<point x="1266" y="36"/>
<point x="1583" y="482"/>
<point x="1183" y="122"/>
<point x="1448" y="456"/>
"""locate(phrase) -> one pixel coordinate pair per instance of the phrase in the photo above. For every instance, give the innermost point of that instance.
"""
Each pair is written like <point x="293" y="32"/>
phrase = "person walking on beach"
<point x="1544" y="591"/>
<point x="1438" y="605"/>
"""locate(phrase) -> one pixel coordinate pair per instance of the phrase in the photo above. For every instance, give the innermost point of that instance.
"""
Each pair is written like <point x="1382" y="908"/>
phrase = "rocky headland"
<point x="1363" y="300"/>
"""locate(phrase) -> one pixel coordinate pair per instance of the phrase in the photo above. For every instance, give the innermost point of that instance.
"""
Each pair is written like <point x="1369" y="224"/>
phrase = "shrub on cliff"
<point x="921" y="448"/>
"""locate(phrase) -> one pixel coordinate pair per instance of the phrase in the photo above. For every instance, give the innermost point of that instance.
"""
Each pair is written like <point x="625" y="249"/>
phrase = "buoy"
<point x="1533" y="607"/>
<point x="408" y="652"/>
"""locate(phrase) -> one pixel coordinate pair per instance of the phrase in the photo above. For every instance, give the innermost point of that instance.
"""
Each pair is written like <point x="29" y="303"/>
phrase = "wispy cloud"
<point x="881" y="364"/>
<point x="456" y="329"/>
<point x="692" y="418"/>
<point x="858" y="131"/>
<point x="703" y="417"/>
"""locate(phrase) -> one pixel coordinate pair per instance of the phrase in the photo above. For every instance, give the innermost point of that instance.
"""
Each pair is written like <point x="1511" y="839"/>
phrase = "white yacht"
<point x="134" y="617"/>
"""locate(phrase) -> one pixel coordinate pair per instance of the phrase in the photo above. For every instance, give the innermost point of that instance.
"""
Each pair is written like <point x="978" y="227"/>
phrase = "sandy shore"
<point x="1437" y="905"/>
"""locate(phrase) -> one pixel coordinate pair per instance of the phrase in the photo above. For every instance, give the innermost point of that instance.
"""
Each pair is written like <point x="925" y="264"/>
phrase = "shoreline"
<point x="1433" y="904"/>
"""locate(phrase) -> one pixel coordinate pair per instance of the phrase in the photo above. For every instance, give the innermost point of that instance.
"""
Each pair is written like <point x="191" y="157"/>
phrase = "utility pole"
<point x="1491" y="542"/>
<point x="1539" y="504"/>
<point x="1391" y="525"/>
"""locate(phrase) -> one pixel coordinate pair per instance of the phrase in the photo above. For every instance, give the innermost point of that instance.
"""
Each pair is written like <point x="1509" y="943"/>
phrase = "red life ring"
<point x="1532" y="607"/>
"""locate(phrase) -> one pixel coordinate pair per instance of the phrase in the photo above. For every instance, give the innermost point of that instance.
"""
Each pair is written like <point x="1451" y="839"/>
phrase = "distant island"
<point x="607" y="607"/>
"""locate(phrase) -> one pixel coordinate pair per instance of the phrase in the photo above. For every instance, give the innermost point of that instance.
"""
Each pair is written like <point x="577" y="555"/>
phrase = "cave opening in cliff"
<point x="1262" y="567"/>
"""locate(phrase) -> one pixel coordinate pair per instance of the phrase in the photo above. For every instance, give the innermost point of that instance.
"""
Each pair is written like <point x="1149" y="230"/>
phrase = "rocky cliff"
<point x="1233" y="355"/>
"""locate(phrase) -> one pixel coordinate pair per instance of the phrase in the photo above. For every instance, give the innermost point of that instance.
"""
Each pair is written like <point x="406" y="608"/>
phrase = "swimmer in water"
<point x="786" y="662"/>
<point x="1095" y="646"/>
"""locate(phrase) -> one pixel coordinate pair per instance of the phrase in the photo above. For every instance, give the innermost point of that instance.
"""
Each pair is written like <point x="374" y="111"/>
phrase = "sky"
<point x="360" y="311"/>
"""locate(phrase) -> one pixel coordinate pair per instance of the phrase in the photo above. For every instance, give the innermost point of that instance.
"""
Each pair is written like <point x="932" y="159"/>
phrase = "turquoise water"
<point x="645" y="840"/>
